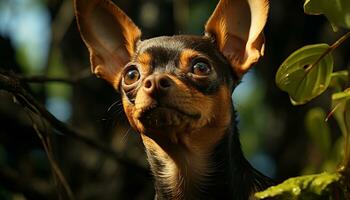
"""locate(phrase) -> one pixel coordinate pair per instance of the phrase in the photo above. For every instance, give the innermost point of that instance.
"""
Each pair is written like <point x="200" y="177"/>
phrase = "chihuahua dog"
<point x="176" y="93"/>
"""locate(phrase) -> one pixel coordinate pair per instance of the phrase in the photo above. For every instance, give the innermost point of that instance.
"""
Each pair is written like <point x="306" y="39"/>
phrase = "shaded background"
<point x="40" y="37"/>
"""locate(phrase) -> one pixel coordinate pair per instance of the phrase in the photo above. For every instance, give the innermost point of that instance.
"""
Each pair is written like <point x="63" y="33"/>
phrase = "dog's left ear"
<point x="109" y="34"/>
<point x="237" y="28"/>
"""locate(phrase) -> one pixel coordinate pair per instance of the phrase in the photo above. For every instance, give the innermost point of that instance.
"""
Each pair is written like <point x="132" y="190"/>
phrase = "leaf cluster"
<point x="304" y="75"/>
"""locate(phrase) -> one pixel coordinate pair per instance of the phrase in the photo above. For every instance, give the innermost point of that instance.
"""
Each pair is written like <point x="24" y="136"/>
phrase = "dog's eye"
<point x="131" y="76"/>
<point x="201" y="69"/>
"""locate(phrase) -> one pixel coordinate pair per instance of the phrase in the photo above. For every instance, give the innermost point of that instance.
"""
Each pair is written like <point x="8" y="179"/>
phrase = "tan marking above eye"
<point x="186" y="57"/>
<point x="144" y="59"/>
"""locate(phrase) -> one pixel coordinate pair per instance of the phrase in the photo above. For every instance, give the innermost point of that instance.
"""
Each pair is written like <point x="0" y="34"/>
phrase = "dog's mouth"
<point x="155" y="116"/>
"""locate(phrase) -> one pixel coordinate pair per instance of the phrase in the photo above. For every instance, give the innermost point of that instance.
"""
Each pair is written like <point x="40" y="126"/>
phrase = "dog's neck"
<point x="220" y="172"/>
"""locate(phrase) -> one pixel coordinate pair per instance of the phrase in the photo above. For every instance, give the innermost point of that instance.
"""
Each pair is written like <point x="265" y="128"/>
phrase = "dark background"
<point x="272" y="130"/>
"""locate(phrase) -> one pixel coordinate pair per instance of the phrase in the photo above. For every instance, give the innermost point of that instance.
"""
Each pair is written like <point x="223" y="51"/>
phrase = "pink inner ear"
<point x="241" y="55"/>
<point x="109" y="35"/>
<point x="237" y="26"/>
<point x="233" y="49"/>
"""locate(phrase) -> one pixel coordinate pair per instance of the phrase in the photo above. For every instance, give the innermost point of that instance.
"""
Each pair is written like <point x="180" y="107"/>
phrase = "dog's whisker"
<point x="125" y="135"/>
<point x="116" y="103"/>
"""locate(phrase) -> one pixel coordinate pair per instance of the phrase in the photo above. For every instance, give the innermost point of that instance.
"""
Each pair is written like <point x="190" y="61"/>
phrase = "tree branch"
<point x="45" y="79"/>
<point x="12" y="84"/>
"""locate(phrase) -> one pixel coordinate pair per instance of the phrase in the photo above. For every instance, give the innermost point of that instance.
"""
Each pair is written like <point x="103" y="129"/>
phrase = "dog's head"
<point x="178" y="86"/>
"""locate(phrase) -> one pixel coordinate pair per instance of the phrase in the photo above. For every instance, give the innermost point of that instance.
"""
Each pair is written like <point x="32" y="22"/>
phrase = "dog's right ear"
<point x="237" y="26"/>
<point x="109" y="34"/>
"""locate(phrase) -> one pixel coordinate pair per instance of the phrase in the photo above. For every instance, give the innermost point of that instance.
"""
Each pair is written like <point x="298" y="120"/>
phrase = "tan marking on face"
<point x="186" y="99"/>
<point x="191" y="142"/>
<point x="196" y="135"/>
<point x="187" y="55"/>
<point x="131" y="110"/>
<point x="144" y="59"/>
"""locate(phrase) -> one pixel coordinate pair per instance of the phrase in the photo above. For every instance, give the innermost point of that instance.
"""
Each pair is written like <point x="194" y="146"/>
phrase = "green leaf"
<point x="319" y="130"/>
<point x="339" y="79"/>
<point x="337" y="11"/>
<point x="347" y="126"/>
<point x="339" y="106"/>
<point x="342" y="115"/>
<point x="347" y="116"/>
<point x="300" y="78"/>
<point x="336" y="157"/>
<point x="302" y="187"/>
<point x="339" y="96"/>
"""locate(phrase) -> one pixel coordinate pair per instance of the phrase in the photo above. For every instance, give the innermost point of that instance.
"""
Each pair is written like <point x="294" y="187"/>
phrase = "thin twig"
<point x="12" y="84"/>
<point x="330" y="49"/>
<point x="62" y="21"/>
<point x="331" y="113"/>
<point x="44" y="79"/>
<point x="56" y="171"/>
<point x="59" y="27"/>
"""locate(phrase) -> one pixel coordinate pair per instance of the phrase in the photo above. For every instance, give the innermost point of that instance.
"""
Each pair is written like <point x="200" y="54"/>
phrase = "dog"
<point x="176" y="93"/>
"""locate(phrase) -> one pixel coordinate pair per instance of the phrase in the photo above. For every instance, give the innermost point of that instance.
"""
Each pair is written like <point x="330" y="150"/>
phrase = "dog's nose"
<point x="156" y="84"/>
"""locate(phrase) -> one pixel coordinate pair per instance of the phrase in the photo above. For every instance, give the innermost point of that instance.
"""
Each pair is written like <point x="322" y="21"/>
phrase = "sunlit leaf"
<point x="300" y="78"/>
<point x="341" y="95"/>
<point x="319" y="130"/>
<point x="302" y="187"/>
<point x="337" y="11"/>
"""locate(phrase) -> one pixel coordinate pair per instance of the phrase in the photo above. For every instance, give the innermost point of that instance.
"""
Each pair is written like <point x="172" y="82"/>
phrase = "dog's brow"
<point x="160" y="56"/>
<point x="187" y="55"/>
<point x="144" y="58"/>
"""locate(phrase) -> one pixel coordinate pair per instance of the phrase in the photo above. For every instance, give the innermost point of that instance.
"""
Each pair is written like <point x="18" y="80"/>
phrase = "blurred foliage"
<point x="305" y="75"/>
<point x="336" y="11"/>
<point x="319" y="130"/>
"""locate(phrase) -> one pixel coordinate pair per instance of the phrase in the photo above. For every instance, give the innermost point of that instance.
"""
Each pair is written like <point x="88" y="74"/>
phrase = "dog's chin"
<point x="166" y="119"/>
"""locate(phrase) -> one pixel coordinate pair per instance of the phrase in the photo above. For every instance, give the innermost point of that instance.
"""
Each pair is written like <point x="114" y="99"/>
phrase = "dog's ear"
<point x="237" y="28"/>
<point x="109" y="34"/>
